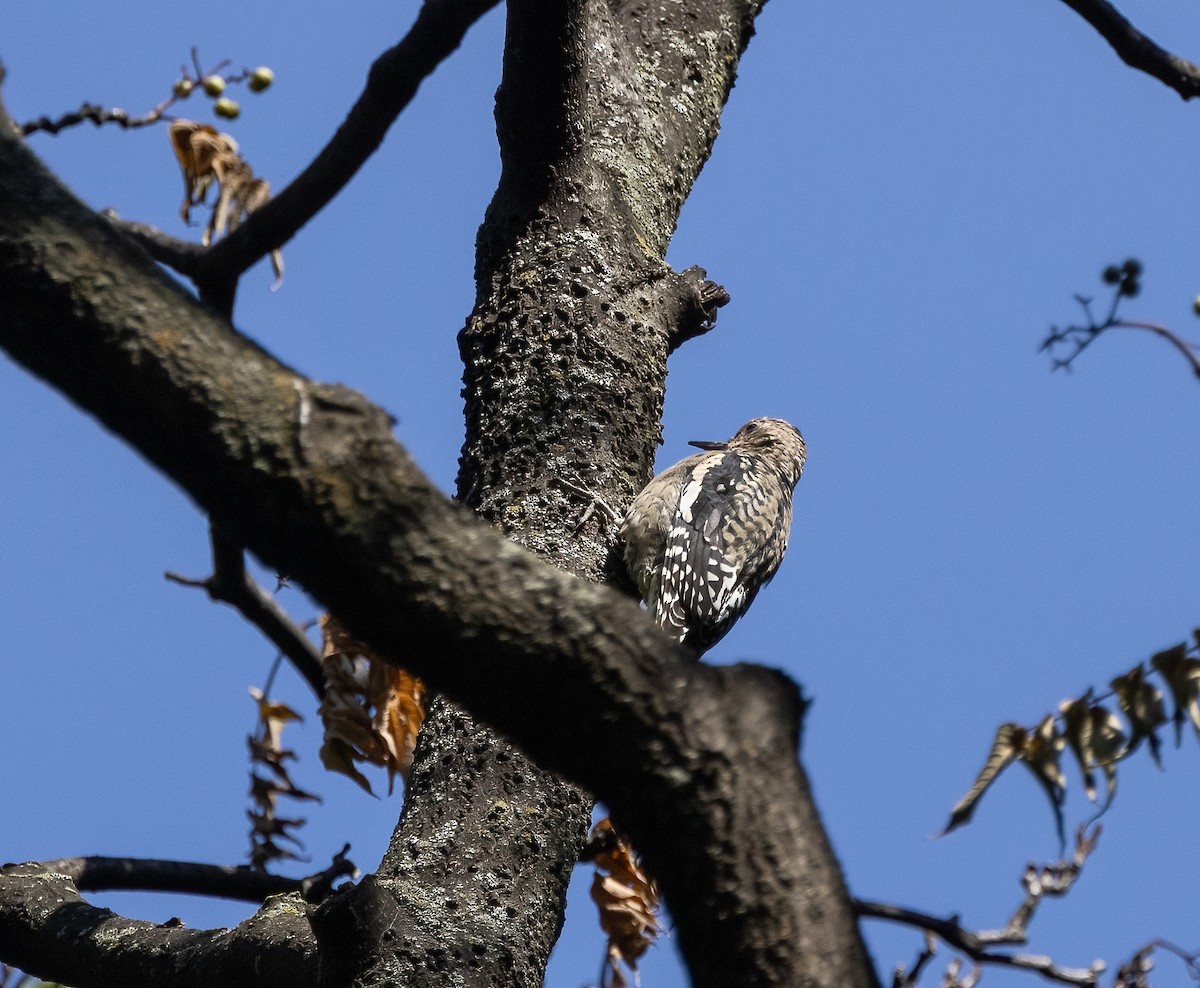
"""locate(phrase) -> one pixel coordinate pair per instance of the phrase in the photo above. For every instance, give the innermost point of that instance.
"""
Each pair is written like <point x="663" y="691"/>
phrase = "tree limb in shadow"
<point x="100" y="874"/>
<point x="1138" y="51"/>
<point x="46" y="926"/>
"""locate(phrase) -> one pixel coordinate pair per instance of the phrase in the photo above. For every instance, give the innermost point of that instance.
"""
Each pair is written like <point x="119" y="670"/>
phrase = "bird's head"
<point x="775" y="439"/>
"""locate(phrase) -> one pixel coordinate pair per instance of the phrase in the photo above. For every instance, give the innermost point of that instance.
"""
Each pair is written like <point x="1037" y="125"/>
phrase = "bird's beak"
<point x="701" y="444"/>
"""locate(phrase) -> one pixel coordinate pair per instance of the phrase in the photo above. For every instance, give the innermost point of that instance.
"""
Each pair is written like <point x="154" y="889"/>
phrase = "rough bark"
<point x="605" y="117"/>
<point x="46" y="927"/>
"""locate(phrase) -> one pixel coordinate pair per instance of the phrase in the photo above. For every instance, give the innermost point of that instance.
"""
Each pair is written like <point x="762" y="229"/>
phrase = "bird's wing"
<point x="709" y="578"/>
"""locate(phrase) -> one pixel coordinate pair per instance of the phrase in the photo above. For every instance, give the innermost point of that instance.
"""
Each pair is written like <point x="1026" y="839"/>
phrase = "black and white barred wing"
<point x="715" y="557"/>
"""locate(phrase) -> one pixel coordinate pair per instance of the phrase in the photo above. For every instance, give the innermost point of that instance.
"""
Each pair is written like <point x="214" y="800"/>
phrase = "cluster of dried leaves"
<point x="1098" y="736"/>
<point x="371" y="710"/>
<point x="627" y="900"/>
<point x="209" y="157"/>
<point x="267" y="828"/>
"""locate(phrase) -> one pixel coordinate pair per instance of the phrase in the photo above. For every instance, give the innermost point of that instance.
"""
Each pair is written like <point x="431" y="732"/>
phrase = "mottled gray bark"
<point x="605" y="115"/>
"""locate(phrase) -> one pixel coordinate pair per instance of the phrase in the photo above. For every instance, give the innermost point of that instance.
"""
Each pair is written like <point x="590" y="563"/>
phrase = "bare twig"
<point x="1048" y="880"/>
<point x="902" y="978"/>
<point x="1138" y="51"/>
<point x="316" y="887"/>
<point x="951" y="977"/>
<point x="391" y="85"/>
<point x="1126" y="282"/>
<point x="1132" y="974"/>
<point x="973" y="946"/>
<point x="1055" y="880"/>
<point x="1190" y="351"/>
<point x="231" y="584"/>
<point x="1190" y="958"/>
<point x="99" y="115"/>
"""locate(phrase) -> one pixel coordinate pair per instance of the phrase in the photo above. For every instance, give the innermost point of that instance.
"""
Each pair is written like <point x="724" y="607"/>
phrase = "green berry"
<point x="1111" y="275"/>
<point x="1196" y="305"/>
<point x="1131" y="288"/>
<point x="183" y="88"/>
<point x="214" y="85"/>
<point x="1132" y="267"/>
<point x="260" y="79"/>
<point x="225" y="107"/>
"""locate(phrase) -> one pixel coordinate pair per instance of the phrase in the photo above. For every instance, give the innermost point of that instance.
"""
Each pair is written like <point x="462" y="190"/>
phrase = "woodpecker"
<point x="707" y="534"/>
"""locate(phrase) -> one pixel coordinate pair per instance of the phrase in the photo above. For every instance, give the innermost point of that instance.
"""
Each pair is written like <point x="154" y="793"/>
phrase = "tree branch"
<point x="46" y="927"/>
<point x="697" y="762"/>
<point x="183" y="256"/>
<point x="1054" y="879"/>
<point x="1138" y="51"/>
<point x="976" y="947"/>
<point x="391" y="85"/>
<point x="541" y="118"/>
<point x="1190" y="352"/>
<point x="1125" y="281"/>
<point x="98" y="116"/>
<point x="98" y="873"/>
<point x="698" y="301"/>
<point x="231" y="584"/>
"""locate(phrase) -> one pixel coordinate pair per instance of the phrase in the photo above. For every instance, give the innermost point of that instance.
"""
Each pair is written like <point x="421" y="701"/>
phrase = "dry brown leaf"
<point x="1182" y="674"/>
<point x="1040" y="751"/>
<point x="1006" y="748"/>
<point x="627" y="900"/>
<point x="208" y="156"/>
<point x="272" y="717"/>
<point x="1142" y="705"/>
<point x="266" y="749"/>
<point x="371" y="710"/>
<point x="1097" y="740"/>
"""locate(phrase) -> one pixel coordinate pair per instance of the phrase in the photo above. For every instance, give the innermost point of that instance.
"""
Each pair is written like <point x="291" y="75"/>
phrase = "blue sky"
<point x="902" y="199"/>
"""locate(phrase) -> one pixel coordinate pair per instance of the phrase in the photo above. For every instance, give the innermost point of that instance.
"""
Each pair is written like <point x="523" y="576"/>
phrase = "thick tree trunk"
<point x="605" y="116"/>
